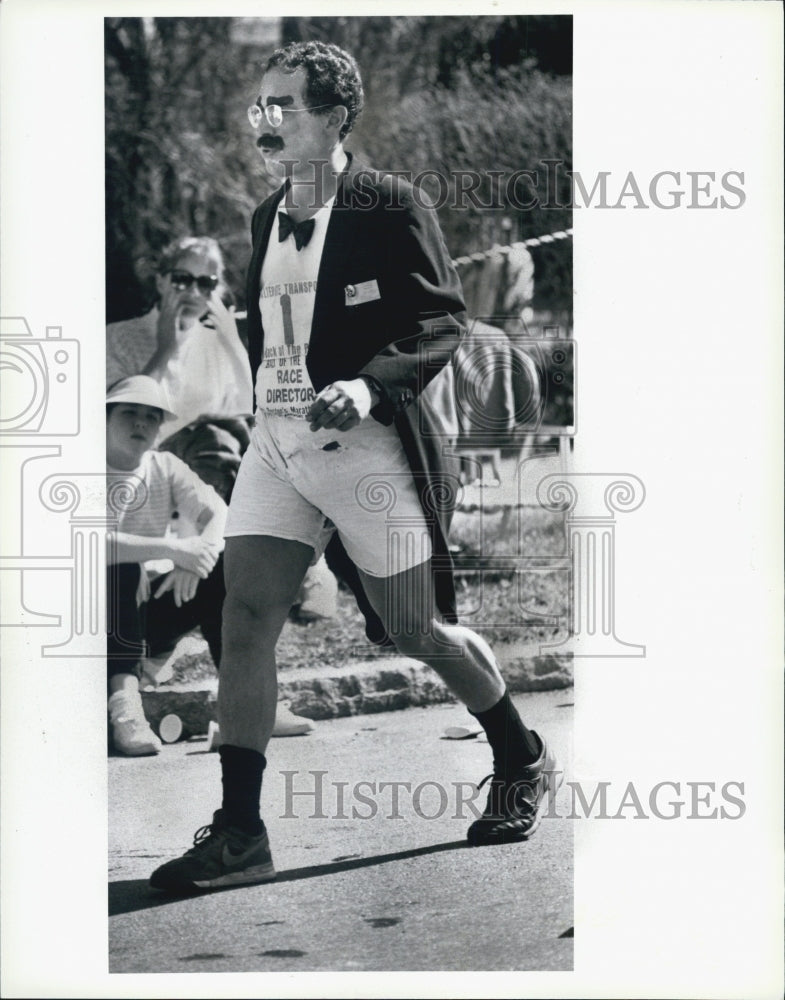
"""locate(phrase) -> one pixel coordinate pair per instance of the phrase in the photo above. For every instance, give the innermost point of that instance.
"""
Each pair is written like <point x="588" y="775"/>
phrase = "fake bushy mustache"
<point x="270" y="142"/>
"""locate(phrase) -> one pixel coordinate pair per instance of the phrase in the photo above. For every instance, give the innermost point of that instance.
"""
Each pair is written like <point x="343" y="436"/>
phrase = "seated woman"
<point x="188" y="341"/>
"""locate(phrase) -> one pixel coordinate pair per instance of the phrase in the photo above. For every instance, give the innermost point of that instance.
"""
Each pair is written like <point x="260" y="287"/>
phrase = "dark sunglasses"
<point x="183" y="280"/>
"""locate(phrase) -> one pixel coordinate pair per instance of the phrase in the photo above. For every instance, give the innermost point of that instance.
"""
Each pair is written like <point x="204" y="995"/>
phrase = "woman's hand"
<point x="169" y="311"/>
<point x="217" y="317"/>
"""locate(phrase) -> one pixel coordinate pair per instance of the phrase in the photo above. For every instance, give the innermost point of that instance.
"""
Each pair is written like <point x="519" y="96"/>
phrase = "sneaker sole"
<point x="146" y="751"/>
<point x="248" y="876"/>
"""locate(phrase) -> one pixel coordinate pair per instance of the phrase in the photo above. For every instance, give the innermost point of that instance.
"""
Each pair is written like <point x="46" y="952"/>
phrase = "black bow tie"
<point x="303" y="231"/>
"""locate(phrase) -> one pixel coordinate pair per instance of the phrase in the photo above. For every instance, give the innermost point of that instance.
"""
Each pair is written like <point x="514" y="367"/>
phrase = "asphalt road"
<point x="364" y="883"/>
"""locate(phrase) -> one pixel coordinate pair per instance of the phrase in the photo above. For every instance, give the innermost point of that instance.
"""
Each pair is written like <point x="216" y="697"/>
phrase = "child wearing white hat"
<point x="144" y="489"/>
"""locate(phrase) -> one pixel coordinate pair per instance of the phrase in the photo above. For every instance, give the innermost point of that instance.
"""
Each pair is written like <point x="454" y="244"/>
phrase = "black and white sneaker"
<point x="222" y="855"/>
<point x="516" y="802"/>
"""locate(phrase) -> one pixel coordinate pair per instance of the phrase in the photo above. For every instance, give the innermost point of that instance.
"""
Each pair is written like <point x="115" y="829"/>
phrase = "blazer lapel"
<point x="260" y="240"/>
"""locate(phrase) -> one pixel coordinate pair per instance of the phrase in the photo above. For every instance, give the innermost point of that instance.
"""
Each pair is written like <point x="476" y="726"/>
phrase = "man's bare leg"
<point x="524" y="768"/>
<point x="263" y="577"/>
<point x="462" y="658"/>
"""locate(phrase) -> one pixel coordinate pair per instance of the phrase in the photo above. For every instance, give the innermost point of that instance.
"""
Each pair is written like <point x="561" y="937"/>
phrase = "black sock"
<point x="241" y="774"/>
<point x="513" y="745"/>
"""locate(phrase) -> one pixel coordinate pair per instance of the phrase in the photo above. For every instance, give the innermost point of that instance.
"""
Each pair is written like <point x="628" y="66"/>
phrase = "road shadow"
<point x="130" y="895"/>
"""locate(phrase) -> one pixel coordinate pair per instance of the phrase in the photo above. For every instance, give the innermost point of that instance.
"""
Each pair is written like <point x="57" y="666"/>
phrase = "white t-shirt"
<point x="167" y="485"/>
<point x="287" y="293"/>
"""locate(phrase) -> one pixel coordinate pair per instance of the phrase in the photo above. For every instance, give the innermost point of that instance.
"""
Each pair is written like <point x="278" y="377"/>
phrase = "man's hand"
<point x="182" y="584"/>
<point x="195" y="555"/>
<point x="341" y="405"/>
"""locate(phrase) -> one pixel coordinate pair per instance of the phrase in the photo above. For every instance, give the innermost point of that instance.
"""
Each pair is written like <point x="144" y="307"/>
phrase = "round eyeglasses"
<point x="274" y="113"/>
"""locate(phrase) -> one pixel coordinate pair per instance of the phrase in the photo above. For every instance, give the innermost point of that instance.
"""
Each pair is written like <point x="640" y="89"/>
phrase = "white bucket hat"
<point x="141" y="389"/>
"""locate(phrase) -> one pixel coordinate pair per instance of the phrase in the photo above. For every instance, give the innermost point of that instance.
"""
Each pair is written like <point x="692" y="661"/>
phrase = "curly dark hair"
<point x="333" y="76"/>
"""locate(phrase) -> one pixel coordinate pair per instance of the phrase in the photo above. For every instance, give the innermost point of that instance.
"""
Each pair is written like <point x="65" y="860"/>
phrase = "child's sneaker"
<point x="221" y="856"/>
<point x="289" y="724"/>
<point x="131" y="732"/>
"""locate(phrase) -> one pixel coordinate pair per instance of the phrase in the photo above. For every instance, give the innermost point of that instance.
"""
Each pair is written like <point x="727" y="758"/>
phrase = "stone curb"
<point x="383" y="684"/>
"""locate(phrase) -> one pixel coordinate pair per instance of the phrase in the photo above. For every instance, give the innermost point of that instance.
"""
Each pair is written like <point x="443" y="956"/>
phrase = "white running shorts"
<point x="302" y="485"/>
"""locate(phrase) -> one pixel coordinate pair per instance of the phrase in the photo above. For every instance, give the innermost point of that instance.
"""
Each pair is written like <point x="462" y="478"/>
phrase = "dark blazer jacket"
<point x="401" y="338"/>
